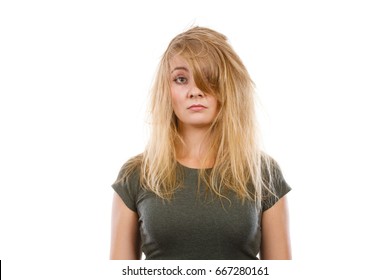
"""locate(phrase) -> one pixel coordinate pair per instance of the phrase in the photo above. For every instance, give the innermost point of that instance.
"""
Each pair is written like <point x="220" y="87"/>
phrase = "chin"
<point x="201" y="125"/>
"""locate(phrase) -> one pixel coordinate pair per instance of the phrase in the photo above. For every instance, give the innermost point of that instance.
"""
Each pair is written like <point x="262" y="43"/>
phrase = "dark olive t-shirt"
<point x="195" y="225"/>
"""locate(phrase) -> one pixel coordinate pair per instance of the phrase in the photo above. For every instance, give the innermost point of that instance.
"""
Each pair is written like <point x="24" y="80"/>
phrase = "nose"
<point x="195" y="93"/>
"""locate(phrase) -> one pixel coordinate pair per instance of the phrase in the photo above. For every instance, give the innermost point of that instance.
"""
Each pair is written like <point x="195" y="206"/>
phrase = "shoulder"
<point x="270" y="169"/>
<point x="274" y="183"/>
<point x="130" y="169"/>
<point x="129" y="174"/>
<point x="127" y="184"/>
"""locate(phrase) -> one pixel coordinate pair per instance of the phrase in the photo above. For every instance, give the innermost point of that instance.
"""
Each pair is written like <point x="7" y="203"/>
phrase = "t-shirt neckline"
<point x="191" y="168"/>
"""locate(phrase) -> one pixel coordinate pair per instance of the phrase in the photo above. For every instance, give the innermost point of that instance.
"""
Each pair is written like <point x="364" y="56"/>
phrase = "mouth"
<point x="197" y="107"/>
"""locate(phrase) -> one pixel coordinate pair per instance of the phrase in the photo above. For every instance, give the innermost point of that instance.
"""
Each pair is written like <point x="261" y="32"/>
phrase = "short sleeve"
<point x="127" y="188"/>
<point x="281" y="188"/>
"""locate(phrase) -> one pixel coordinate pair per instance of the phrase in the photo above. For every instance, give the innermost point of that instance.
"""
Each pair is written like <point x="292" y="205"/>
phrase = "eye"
<point x="180" y="80"/>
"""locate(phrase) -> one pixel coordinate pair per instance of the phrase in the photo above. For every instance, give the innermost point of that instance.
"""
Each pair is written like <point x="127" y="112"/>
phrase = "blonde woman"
<point x="203" y="188"/>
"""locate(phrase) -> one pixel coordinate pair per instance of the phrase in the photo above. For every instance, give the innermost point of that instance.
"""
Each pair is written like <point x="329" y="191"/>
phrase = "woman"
<point x="203" y="188"/>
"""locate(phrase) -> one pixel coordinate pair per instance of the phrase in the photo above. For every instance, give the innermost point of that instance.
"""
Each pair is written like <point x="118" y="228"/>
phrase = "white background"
<point x="74" y="82"/>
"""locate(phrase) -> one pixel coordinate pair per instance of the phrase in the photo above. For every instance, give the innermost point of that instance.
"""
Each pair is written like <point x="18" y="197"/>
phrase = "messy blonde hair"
<point x="239" y="163"/>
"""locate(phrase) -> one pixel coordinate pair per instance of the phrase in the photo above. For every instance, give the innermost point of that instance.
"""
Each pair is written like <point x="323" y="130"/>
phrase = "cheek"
<point x="177" y="95"/>
<point x="215" y="104"/>
<point x="176" y="101"/>
<point x="174" y="98"/>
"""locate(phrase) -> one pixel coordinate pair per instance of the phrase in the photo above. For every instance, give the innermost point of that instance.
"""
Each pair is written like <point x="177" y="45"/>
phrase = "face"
<point x="192" y="107"/>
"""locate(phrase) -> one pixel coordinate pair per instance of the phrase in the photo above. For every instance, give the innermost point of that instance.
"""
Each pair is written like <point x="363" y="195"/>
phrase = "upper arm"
<point x="125" y="237"/>
<point x="275" y="237"/>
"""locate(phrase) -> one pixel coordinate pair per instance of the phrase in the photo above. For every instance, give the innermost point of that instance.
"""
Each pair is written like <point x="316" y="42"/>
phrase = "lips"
<point x="197" y="106"/>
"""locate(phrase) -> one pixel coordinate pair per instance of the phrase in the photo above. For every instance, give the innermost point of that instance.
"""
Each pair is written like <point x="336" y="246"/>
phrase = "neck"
<point x="192" y="153"/>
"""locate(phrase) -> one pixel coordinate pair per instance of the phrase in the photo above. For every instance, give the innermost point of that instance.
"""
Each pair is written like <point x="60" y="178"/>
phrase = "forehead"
<point x="177" y="62"/>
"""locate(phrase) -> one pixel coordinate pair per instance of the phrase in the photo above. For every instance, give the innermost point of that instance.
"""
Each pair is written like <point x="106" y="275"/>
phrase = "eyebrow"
<point x="180" y="68"/>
